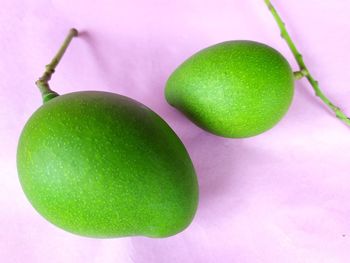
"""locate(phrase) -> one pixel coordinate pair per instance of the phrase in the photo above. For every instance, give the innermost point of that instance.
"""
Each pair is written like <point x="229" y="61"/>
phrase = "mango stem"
<point x="43" y="82"/>
<point x="303" y="71"/>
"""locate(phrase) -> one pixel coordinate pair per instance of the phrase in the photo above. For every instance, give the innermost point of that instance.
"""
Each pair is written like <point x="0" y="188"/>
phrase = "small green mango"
<point x="233" y="89"/>
<point x="100" y="164"/>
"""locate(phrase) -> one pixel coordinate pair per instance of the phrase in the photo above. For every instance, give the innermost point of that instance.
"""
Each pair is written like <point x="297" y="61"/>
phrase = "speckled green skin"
<point x="233" y="89"/>
<point x="102" y="165"/>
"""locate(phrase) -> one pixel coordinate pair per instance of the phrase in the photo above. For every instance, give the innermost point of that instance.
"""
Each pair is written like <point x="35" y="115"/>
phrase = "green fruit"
<point x="100" y="164"/>
<point x="103" y="165"/>
<point x="233" y="89"/>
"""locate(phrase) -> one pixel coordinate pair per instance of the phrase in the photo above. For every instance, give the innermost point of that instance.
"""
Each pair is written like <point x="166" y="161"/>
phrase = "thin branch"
<point x="43" y="82"/>
<point x="303" y="69"/>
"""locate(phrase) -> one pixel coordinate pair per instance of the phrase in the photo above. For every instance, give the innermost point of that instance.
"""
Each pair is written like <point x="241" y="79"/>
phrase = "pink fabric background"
<point x="282" y="196"/>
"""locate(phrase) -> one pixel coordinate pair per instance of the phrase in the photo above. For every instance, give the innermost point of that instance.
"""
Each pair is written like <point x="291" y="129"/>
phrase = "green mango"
<point x="233" y="89"/>
<point x="100" y="164"/>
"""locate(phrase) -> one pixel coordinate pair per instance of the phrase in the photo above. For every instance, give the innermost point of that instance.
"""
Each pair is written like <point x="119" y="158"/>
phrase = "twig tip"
<point x="74" y="32"/>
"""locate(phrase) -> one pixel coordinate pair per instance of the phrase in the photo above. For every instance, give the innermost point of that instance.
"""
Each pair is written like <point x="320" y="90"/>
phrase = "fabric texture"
<point x="282" y="196"/>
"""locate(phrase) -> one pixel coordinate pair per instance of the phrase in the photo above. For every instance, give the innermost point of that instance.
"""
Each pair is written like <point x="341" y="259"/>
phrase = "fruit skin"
<point x="100" y="164"/>
<point x="233" y="89"/>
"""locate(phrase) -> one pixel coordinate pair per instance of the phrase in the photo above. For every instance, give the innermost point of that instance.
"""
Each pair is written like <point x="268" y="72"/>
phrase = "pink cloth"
<point x="282" y="196"/>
